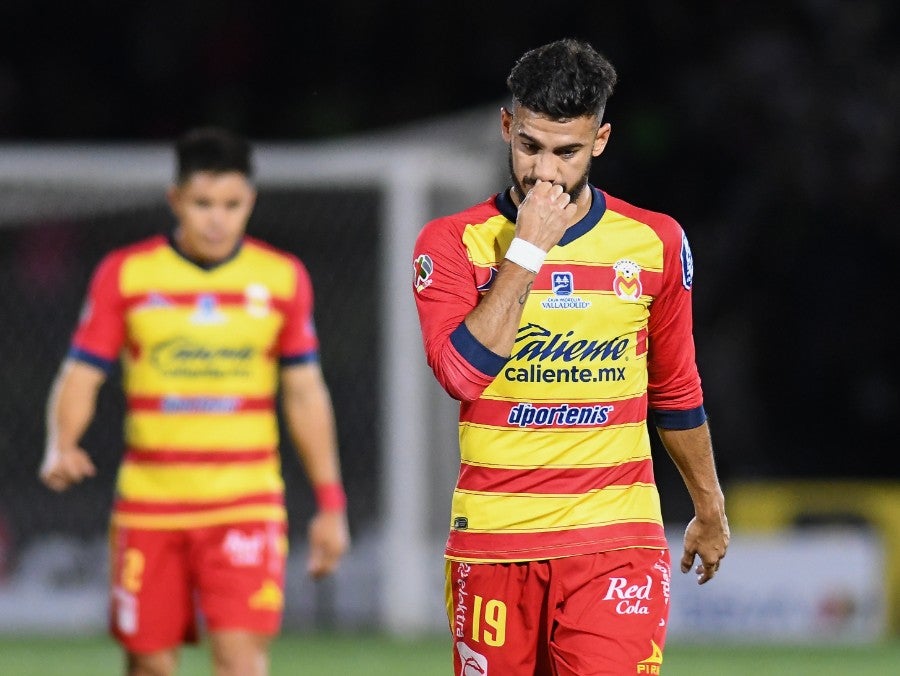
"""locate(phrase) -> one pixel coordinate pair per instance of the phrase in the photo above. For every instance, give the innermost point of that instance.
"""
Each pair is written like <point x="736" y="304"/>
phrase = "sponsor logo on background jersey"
<point x="627" y="282"/>
<point x="687" y="263"/>
<point x="257" y="300"/>
<point x="182" y="356"/>
<point x="154" y="301"/>
<point x="423" y="269"/>
<point x="562" y="284"/>
<point x="207" y="311"/>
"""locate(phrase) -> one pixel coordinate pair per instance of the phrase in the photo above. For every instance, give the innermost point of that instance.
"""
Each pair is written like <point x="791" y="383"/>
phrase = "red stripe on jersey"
<point x="640" y="342"/>
<point x="168" y="456"/>
<point x="496" y="413"/>
<point x="198" y="404"/>
<point x="592" y="278"/>
<point x="180" y="299"/>
<point x="568" y="481"/>
<point x="551" y="544"/>
<point x="191" y="299"/>
<point x="140" y="507"/>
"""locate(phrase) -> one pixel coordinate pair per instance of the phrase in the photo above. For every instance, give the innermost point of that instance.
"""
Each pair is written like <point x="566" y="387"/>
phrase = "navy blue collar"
<point x="203" y="266"/>
<point x="591" y="218"/>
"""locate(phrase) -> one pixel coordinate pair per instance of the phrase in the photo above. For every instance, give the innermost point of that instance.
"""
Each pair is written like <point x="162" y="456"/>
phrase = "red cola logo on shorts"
<point x="629" y="598"/>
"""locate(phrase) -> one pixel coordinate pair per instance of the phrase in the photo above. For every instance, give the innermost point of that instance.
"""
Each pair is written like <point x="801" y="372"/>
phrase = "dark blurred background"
<point x="770" y="131"/>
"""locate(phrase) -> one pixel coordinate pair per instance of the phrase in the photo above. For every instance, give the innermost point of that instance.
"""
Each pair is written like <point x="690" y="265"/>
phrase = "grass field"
<point x="372" y="655"/>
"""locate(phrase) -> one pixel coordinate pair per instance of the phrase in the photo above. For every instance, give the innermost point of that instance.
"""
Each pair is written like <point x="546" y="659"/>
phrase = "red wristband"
<point x="331" y="497"/>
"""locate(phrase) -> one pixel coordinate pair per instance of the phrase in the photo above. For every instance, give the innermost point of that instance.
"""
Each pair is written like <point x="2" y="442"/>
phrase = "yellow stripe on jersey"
<point x="256" y="266"/>
<point x="200" y="519"/>
<point x="185" y="482"/>
<point x="560" y="448"/>
<point x="533" y="512"/>
<point x="616" y="237"/>
<point x="195" y="431"/>
<point x="487" y="242"/>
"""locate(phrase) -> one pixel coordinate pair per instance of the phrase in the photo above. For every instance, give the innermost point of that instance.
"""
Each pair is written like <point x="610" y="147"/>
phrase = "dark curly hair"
<point x="212" y="149"/>
<point x="563" y="79"/>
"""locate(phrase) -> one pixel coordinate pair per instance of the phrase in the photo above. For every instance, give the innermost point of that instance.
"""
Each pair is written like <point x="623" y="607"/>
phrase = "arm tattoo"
<point x="524" y="296"/>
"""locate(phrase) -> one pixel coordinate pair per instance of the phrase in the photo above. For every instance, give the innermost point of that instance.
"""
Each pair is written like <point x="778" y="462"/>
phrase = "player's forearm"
<point x="309" y="415"/>
<point x="691" y="451"/>
<point x="494" y="322"/>
<point x="316" y="444"/>
<point x="72" y="404"/>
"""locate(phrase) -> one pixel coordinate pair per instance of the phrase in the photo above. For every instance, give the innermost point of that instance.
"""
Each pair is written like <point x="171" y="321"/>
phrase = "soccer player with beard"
<point x="210" y="326"/>
<point x="560" y="317"/>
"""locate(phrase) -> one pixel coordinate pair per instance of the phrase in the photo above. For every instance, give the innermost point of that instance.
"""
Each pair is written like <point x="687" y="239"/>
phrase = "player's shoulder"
<point x="453" y="224"/>
<point x="274" y="262"/>
<point x="150" y="243"/>
<point x="116" y="257"/>
<point x="266" y="248"/>
<point x="270" y="253"/>
<point x="662" y="223"/>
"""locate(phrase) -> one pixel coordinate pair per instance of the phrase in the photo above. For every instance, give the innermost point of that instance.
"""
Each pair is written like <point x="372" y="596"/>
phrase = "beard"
<point x="521" y="188"/>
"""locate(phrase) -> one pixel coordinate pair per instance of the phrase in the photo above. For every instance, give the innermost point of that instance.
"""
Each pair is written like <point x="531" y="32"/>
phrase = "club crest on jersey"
<point x="627" y="282"/>
<point x="257" y="300"/>
<point x="562" y="283"/>
<point x="423" y="269"/>
<point x="207" y="311"/>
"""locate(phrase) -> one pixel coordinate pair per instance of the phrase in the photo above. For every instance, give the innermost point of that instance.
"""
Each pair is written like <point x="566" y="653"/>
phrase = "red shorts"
<point x="595" y="614"/>
<point x="232" y="575"/>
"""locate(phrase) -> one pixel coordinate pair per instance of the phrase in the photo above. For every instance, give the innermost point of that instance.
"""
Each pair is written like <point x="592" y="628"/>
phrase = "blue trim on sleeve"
<point x="679" y="420"/>
<point x="294" y="359"/>
<point x="78" y="354"/>
<point x="489" y="363"/>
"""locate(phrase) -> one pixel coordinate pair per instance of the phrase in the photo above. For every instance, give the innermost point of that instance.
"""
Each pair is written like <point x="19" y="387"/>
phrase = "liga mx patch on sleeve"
<point x="687" y="263"/>
<point x="423" y="268"/>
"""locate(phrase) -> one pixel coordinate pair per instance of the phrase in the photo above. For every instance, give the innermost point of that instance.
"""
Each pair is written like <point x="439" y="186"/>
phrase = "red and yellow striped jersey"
<point x="554" y="443"/>
<point x="200" y="350"/>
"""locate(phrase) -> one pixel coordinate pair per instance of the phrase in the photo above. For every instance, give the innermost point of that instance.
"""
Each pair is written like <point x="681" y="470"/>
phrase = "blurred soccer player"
<point x="209" y="324"/>
<point x="558" y="314"/>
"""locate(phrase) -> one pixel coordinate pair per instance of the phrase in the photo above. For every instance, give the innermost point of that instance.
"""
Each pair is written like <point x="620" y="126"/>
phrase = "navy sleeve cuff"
<point x="78" y="354"/>
<point x="489" y="363"/>
<point x="679" y="420"/>
<point x="294" y="359"/>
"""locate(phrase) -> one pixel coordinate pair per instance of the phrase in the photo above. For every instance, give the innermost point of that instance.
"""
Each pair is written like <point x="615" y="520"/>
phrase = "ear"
<point x="173" y="195"/>
<point x="506" y="119"/>
<point x="601" y="139"/>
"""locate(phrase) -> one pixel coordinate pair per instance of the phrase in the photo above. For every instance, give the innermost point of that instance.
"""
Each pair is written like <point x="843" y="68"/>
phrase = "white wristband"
<point x="526" y="254"/>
